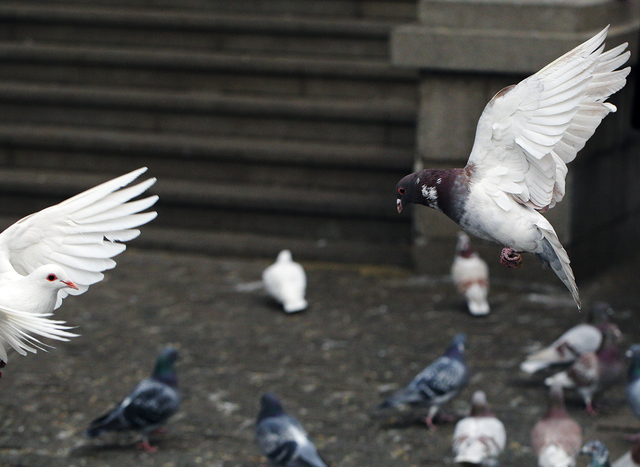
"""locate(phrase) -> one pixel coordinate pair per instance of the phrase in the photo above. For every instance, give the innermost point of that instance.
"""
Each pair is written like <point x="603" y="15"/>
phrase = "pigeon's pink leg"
<point x="591" y="410"/>
<point x="2" y="365"/>
<point x="146" y="446"/>
<point x="433" y="410"/>
<point x="510" y="258"/>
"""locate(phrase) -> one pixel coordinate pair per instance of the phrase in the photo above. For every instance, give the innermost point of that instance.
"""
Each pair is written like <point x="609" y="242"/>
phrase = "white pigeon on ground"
<point x="479" y="438"/>
<point x="470" y="274"/>
<point x="286" y="282"/>
<point x="61" y="251"/>
<point x="578" y="340"/>
<point x="526" y="136"/>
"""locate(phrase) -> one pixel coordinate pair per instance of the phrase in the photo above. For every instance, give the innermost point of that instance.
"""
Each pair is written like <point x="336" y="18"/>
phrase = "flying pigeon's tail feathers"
<point x="107" y="422"/>
<point x="560" y="379"/>
<point x="17" y="327"/>
<point x="555" y="456"/>
<point x="476" y="296"/>
<point x="554" y="255"/>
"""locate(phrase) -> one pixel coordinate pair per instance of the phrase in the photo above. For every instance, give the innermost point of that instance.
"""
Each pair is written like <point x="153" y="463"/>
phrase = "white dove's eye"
<point x="51" y="277"/>
<point x="401" y="191"/>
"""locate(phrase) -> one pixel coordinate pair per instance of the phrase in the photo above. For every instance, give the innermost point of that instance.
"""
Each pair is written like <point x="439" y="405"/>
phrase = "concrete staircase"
<point x="269" y="124"/>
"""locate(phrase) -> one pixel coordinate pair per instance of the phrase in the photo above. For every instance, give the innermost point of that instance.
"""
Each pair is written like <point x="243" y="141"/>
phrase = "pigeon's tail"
<point x="476" y="296"/>
<point x="17" y="329"/>
<point x="554" y="255"/>
<point x="555" y="456"/>
<point x="533" y="366"/>
<point x="292" y="306"/>
<point x="560" y="379"/>
<point x="104" y="423"/>
<point x="473" y="452"/>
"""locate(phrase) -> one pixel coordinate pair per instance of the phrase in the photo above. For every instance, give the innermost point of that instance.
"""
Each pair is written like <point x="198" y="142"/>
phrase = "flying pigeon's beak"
<point x="71" y="284"/>
<point x="399" y="205"/>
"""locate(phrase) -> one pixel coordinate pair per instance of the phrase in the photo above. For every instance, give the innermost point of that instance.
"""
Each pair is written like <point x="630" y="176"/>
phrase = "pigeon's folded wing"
<point x="18" y="327"/>
<point x="528" y="132"/>
<point x="80" y="234"/>
<point x="150" y="404"/>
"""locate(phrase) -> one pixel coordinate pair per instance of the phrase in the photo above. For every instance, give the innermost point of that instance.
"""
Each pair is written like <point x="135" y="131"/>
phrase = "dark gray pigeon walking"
<point x="148" y="407"/>
<point x="281" y="437"/>
<point x="435" y="385"/>
<point x="526" y="136"/>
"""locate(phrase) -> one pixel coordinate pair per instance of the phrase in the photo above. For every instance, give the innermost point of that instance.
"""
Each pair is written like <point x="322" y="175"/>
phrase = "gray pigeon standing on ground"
<point x="556" y="438"/>
<point x="594" y="372"/>
<point x="148" y="407"/>
<point x="580" y="339"/>
<point x="435" y="385"/>
<point x="281" y="437"/>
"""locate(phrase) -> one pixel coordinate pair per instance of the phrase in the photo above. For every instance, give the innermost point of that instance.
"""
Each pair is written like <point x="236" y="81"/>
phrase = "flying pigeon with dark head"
<point x="61" y="251"/>
<point x="526" y="136"/>
<point x="434" y="386"/>
<point x="281" y="437"/>
<point x="153" y="401"/>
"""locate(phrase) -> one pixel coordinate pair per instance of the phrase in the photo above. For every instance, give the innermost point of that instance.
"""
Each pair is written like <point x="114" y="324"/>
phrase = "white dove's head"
<point x="52" y="276"/>
<point x="284" y="256"/>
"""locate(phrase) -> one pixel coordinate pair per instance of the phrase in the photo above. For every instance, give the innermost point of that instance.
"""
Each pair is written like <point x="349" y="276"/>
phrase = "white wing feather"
<point x="79" y="234"/>
<point x="529" y="132"/>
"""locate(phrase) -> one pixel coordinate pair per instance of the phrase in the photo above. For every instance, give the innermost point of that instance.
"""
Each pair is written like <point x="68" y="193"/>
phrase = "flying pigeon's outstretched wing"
<point x="18" y="327"/>
<point x="528" y="132"/>
<point x="80" y="234"/>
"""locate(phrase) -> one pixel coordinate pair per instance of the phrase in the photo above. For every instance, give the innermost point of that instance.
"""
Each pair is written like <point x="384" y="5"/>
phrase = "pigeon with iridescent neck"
<point x="153" y="401"/>
<point x="526" y="136"/>
<point x="434" y="386"/>
<point x="61" y="251"/>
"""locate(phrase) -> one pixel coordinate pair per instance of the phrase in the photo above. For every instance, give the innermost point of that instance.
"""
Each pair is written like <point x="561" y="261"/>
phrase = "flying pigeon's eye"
<point x="401" y="191"/>
<point x="51" y="277"/>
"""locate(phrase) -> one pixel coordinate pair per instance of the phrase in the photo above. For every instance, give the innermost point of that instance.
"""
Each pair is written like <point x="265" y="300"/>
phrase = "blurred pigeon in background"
<point x="286" y="282"/>
<point x="435" y="385"/>
<point x="594" y="372"/>
<point x="281" y="437"/>
<point x="598" y="453"/>
<point x="470" y="274"/>
<point x="630" y="458"/>
<point x="633" y="382"/>
<point x="556" y="438"/>
<point x="479" y="438"/>
<point x="580" y="339"/>
<point x="61" y="251"/>
<point x="526" y="136"/>
<point x="148" y="407"/>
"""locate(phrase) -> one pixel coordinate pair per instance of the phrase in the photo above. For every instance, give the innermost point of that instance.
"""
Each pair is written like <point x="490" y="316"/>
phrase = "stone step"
<point x="396" y="10"/>
<point x="355" y="167"/>
<point x="301" y="216"/>
<point x="203" y="71"/>
<point x="372" y="122"/>
<point x="193" y="30"/>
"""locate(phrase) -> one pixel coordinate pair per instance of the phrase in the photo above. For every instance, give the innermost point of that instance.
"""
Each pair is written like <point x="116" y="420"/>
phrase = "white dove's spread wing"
<point x="528" y="132"/>
<point x="18" y="327"/>
<point x="80" y="234"/>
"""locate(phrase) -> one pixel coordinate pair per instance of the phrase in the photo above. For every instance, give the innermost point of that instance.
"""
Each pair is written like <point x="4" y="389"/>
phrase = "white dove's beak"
<point x="399" y="205"/>
<point x="71" y="284"/>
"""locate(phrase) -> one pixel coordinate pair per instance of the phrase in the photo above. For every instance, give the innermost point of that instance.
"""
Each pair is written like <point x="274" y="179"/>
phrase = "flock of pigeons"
<point x="517" y="167"/>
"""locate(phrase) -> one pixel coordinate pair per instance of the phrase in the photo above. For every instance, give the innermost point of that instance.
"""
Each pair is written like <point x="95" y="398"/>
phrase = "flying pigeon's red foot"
<point x="510" y="258"/>
<point x="144" y="444"/>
